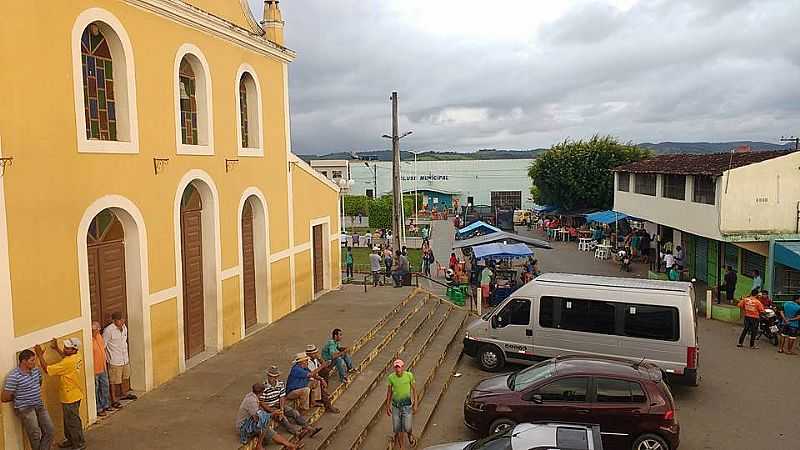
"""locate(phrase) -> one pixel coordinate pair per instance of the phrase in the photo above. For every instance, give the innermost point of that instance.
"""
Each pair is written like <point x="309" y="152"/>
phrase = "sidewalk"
<point x="197" y="409"/>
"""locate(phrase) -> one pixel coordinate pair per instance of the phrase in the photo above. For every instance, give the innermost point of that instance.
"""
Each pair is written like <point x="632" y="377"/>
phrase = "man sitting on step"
<point x="336" y="355"/>
<point x="273" y="399"/>
<point x="319" y="388"/>
<point x="297" y="383"/>
<point x="252" y="421"/>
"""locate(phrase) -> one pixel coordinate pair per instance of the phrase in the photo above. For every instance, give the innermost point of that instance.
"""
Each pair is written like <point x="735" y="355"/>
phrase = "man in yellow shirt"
<point x="69" y="390"/>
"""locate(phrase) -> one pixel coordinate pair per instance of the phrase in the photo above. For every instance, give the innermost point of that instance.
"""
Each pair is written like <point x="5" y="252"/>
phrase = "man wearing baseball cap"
<point x="69" y="388"/>
<point x="401" y="403"/>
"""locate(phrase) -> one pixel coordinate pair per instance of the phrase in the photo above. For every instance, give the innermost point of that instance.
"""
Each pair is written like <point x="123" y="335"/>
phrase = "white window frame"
<point x="258" y="150"/>
<point x="205" y="110"/>
<point x="124" y="90"/>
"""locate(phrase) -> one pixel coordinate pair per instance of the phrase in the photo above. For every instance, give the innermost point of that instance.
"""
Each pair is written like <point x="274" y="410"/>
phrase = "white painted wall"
<point x="685" y="215"/>
<point x="762" y="197"/>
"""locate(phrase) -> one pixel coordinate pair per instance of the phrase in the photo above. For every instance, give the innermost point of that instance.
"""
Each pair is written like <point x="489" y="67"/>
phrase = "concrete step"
<point x="432" y="368"/>
<point x="369" y="374"/>
<point x="371" y="407"/>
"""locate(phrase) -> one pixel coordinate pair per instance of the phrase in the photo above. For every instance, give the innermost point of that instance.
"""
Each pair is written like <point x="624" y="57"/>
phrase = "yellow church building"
<point x="146" y="169"/>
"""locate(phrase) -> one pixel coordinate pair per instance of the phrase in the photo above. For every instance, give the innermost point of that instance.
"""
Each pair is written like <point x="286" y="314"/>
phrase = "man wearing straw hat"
<point x="273" y="399"/>
<point x="319" y="388"/>
<point x="297" y="383"/>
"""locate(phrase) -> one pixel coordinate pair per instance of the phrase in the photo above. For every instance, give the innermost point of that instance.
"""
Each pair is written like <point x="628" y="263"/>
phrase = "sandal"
<point x="412" y="440"/>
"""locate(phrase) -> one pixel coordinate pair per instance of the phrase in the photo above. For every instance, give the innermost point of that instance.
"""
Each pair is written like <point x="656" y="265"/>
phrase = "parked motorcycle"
<point x="769" y="325"/>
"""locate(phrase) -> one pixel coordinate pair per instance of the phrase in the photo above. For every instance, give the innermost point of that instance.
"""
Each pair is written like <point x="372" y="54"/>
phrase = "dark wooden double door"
<point x="318" y="259"/>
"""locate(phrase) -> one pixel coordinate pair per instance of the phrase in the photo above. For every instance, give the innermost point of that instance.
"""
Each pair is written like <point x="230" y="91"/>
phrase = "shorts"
<point x="484" y="291"/>
<point x="252" y="428"/>
<point x="118" y="373"/>
<point x="791" y="332"/>
<point x="401" y="418"/>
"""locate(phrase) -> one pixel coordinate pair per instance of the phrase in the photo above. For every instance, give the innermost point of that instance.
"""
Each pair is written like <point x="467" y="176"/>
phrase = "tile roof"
<point x="698" y="164"/>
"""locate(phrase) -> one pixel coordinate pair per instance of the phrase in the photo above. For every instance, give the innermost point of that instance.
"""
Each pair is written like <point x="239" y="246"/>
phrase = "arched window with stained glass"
<point x="188" y="86"/>
<point x="98" y="85"/>
<point x="104" y="228"/>
<point x="243" y="109"/>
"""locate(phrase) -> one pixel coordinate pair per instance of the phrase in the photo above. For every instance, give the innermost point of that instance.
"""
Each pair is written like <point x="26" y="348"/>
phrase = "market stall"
<point x="507" y="278"/>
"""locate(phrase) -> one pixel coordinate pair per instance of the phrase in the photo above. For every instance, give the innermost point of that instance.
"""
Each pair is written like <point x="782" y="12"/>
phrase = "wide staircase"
<point x="423" y="330"/>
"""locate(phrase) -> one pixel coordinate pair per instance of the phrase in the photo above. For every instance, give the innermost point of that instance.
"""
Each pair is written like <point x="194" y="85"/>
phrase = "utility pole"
<point x="397" y="194"/>
<point x="796" y="141"/>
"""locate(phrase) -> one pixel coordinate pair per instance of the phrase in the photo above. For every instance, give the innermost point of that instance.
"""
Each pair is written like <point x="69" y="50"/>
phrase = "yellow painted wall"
<point x="232" y="10"/>
<point x="231" y="312"/>
<point x="304" y="279"/>
<point x="281" y="290"/>
<point x="164" y="330"/>
<point x="306" y="186"/>
<point x="50" y="386"/>
<point x="336" y="264"/>
<point x="49" y="170"/>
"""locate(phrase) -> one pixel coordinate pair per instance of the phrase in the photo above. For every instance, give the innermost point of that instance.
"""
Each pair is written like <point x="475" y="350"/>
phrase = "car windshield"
<point x="524" y="378"/>
<point x="497" y="441"/>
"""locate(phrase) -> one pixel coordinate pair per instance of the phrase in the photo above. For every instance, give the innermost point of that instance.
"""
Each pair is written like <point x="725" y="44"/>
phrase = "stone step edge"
<point x="315" y="417"/>
<point x="357" y="345"/>
<point x="378" y="414"/>
<point x="432" y="376"/>
<point x="384" y="370"/>
<point x="427" y="419"/>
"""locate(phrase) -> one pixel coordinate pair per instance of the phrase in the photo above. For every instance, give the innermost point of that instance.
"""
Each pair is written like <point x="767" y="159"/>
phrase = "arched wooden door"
<point x="105" y="244"/>
<point x="248" y="266"/>
<point x="192" y="264"/>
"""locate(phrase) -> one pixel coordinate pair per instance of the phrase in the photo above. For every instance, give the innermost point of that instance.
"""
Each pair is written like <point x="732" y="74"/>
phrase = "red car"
<point x="630" y="401"/>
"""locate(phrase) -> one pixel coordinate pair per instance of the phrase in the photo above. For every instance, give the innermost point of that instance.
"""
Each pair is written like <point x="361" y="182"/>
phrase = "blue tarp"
<point x="605" y="216"/>
<point x="498" y="251"/>
<point x="475" y="225"/>
<point x="788" y="253"/>
<point x="544" y="208"/>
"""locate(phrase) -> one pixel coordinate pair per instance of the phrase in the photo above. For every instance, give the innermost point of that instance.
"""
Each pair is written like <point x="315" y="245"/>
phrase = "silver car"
<point x="535" y="436"/>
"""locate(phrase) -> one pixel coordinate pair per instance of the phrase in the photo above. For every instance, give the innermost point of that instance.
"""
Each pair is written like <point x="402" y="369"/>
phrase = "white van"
<point x="558" y="314"/>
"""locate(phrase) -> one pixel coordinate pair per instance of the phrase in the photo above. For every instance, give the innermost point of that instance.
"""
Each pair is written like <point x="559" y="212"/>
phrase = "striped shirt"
<point x="27" y="388"/>
<point x="272" y="394"/>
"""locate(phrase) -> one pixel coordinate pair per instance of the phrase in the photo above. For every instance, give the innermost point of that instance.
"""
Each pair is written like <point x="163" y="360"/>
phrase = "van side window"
<point x="516" y="312"/>
<point x="610" y="390"/>
<point x="652" y="322"/>
<point x="546" y="312"/>
<point x="587" y="315"/>
<point x="571" y="389"/>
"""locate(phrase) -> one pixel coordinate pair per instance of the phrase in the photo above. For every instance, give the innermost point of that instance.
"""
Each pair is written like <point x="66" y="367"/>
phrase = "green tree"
<point x="356" y="204"/>
<point x="577" y="174"/>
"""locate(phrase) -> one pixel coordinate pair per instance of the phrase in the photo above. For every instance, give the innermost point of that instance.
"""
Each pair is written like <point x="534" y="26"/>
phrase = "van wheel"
<point x="490" y="358"/>
<point x="650" y="442"/>
<point x="501" y="425"/>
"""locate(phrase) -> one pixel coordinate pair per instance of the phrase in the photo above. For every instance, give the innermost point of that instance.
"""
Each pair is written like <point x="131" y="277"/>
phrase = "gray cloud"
<point x="658" y="70"/>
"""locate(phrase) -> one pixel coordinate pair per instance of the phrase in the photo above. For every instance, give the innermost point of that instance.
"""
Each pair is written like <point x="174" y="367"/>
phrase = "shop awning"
<point x="500" y="251"/>
<point x="605" y="216"/>
<point x="788" y="253"/>
<point x="544" y="208"/>
<point x="503" y="237"/>
<point x="478" y="225"/>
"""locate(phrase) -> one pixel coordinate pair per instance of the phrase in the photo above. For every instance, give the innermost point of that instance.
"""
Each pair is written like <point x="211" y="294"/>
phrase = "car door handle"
<point x="582" y="411"/>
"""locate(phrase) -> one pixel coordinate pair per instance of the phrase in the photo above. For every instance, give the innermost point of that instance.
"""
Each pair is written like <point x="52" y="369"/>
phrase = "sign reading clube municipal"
<point x="425" y="177"/>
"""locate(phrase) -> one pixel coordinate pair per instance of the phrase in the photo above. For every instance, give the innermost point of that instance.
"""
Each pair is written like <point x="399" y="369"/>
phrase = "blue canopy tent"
<point x="478" y="228"/>
<point x="498" y="250"/>
<point x="539" y="209"/>
<point x="605" y="216"/>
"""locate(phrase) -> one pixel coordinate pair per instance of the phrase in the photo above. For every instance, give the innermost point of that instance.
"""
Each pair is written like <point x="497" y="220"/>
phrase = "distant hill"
<point x="434" y="155"/>
<point x="710" y="147"/>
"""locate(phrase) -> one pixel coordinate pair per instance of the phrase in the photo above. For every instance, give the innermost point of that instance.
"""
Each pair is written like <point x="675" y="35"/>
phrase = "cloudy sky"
<point x="528" y="73"/>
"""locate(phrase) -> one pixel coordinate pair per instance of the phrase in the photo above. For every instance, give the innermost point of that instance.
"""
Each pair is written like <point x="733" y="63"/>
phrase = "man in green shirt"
<point x="401" y="403"/>
<point x="335" y="354"/>
<point x="348" y="262"/>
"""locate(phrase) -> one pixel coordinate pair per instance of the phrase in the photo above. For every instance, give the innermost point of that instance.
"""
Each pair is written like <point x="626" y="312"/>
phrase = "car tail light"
<point x="691" y="357"/>
<point x="669" y="416"/>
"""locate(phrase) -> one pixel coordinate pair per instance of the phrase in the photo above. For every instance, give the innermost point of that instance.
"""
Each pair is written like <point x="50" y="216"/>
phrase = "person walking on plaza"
<point x="69" y="389"/>
<point x="337" y="356"/>
<point x="23" y="386"/>
<point x="253" y="421"/>
<point x="101" y="385"/>
<point x="486" y="282"/>
<point x="730" y="285"/>
<point x="752" y="308"/>
<point x="402" y="269"/>
<point x="319" y="385"/>
<point x="297" y="383"/>
<point x="273" y="399"/>
<point x="401" y="403"/>
<point x="375" y="266"/>
<point x="791" y="327"/>
<point x="348" y="262"/>
<point x="116" y="338"/>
